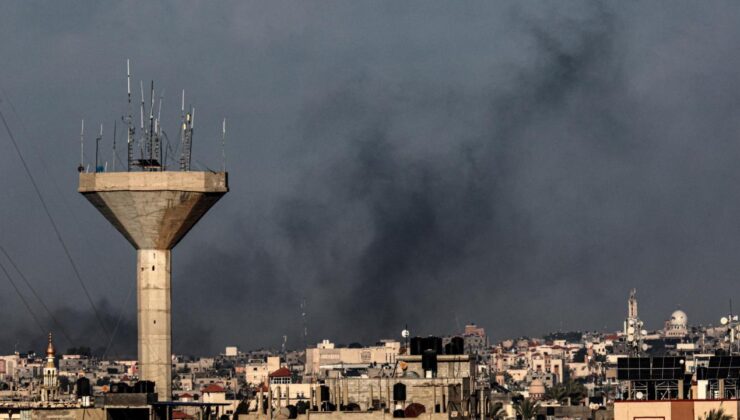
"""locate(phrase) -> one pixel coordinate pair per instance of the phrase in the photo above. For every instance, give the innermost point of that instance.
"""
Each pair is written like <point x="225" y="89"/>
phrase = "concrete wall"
<point x="642" y="409"/>
<point x="318" y="357"/>
<point x="673" y="410"/>
<point x="154" y="181"/>
<point x="373" y="415"/>
<point x="56" y="414"/>
<point x="361" y="391"/>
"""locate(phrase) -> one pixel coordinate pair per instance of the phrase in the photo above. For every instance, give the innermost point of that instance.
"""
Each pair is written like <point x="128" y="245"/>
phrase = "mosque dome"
<point x="536" y="389"/>
<point x="679" y="318"/>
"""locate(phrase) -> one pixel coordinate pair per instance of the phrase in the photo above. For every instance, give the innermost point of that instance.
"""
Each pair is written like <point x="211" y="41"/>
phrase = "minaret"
<point x="632" y="304"/>
<point x="50" y="387"/>
<point x="633" y="331"/>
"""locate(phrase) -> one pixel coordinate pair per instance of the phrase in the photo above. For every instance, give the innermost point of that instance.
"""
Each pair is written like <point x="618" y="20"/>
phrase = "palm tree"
<point x="575" y="391"/>
<point x="556" y="392"/>
<point x="717" y="414"/>
<point x="497" y="411"/>
<point x="528" y="409"/>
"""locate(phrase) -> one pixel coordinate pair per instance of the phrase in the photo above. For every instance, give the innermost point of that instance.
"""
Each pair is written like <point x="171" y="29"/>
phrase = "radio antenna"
<point x="183" y="131"/>
<point x="141" y="121"/>
<point x="129" y="121"/>
<point x="113" y="168"/>
<point x="223" y="144"/>
<point x="97" y="146"/>
<point x="141" y="113"/>
<point x="82" y="147"/>
<point x="162" y="150"/>
<point x="151" y="126"/>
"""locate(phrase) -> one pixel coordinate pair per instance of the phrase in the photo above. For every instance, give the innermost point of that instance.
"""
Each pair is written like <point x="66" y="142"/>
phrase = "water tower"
<point x="154" y="208"/>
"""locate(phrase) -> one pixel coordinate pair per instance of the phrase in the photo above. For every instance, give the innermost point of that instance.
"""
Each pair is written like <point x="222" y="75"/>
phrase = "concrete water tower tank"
<point x="154" y="211"/>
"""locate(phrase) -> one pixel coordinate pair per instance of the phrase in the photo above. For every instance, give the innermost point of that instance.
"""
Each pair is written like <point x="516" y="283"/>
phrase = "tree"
<point x="557" y="393"/>
<point x="497" y="411"/>
<point x="527" y="409"/>
<point x="575" y="391"/>
<point x="242" y="408"/>
<point x="717" y="414"/>
<point x="580" y="356"/>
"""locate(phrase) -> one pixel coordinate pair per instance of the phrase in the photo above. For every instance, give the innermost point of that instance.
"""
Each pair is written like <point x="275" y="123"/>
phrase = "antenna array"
<point x="144" y="147"/>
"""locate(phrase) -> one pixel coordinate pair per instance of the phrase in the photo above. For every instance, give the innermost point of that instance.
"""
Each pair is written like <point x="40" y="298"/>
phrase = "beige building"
<point x="327" y="356"/>
<point x="448" y="366"/>
<point x="8" y="365"/>
<point x="673" y="410"/>
<point x="257" y="371"/>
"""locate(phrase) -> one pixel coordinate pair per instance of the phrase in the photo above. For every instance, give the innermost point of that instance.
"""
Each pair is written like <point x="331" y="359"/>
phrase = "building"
<point x="257" y="371"/>
<point x="281" y="376"/>
<point x="326" y="356"/>
<point x="675" y="409"/>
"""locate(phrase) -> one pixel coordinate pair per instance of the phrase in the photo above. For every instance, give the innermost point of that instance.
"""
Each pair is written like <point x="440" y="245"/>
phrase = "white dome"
<point x="679" y="318"/>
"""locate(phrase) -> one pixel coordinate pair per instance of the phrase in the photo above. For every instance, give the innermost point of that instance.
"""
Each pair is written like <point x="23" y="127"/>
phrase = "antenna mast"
<point x="129" y="122"/>
<point x="114" y="146"/>
<point x="141" y="118"/>
<point x="97" y="146"/>
<point x="161" y="152"/>
<point x="187" y="140"/>
<point x="223" y="144"/>
<point x="152" y="134"/>
<point x="82" y="147"/>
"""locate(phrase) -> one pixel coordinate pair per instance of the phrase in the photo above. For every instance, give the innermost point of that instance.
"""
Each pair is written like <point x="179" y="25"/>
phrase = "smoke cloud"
<point x="518" y="166"/>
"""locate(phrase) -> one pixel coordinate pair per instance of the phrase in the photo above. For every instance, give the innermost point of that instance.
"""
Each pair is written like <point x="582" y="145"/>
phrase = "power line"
<point x="91" y="248"/>
<point x="118" y="322"/>
<point x="54" y="225"/>
<point x="23" y="299"/>
<point x="33" y="291"/>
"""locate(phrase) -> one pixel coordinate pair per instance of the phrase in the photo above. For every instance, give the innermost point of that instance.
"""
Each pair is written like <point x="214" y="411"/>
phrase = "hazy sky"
<point x="517" y="164"/>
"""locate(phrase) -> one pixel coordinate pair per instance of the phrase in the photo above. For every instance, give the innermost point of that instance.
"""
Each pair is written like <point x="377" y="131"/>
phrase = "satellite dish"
<point x="632" y="322"/>
<point x="645" y="347"/>
<point x="723" y="320"/>
<point x="630" y="330"/>
<point x="639" y="395"/>
<point x="643" y="332"/>
<point x="405" y="333"/>
<point x="681" y="361"/>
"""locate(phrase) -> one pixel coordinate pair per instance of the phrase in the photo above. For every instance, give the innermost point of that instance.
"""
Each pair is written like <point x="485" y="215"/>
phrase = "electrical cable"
<point x="118" y="322"/>
<point x="33" y="291"/>
<point x="54" y="225"/>
<point x="23" y="299"/>
<point x="44" y="166"/>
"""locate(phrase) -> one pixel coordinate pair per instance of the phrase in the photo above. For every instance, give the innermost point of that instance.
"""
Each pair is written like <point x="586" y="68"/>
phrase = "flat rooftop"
<point x="205" y="182"/>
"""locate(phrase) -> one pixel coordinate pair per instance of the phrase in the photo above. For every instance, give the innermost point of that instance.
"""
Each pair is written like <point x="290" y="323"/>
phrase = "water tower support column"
<point x="154" y="313"/>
